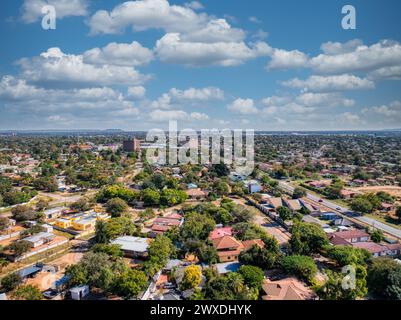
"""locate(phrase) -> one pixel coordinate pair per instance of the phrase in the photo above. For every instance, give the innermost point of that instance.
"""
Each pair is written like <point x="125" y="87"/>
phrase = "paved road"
<point x="348" y="213"/>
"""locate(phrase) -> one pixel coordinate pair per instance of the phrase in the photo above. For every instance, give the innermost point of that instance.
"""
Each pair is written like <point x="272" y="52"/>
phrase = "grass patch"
<point x="386" y="220"/>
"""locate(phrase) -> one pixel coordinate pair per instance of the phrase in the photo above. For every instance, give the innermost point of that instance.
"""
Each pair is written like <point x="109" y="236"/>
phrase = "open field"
<point x="394" y="191"/>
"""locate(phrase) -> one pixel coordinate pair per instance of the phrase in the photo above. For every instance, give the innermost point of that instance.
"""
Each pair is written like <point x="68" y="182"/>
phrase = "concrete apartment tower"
<point x="132" y="145"/>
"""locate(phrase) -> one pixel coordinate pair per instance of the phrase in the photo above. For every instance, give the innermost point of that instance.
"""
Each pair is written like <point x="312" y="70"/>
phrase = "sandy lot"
<point x="67" y="259"/>
<point x="44" y="280"/>
<point x="395" y="191"/>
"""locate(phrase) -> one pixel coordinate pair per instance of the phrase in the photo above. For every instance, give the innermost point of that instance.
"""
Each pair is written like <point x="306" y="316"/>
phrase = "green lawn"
<point x="383" y="220"/>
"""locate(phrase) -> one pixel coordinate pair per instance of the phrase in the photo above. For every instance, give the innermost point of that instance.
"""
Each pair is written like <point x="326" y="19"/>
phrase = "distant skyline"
<point x="266" y="65"/>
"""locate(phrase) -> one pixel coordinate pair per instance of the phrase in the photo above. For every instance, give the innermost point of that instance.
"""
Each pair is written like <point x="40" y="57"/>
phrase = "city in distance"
<point x="200" y="151"/>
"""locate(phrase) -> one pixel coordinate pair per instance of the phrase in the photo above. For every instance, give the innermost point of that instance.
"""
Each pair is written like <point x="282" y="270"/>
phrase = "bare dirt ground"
<point x="44" y="280"/>
<point x="67" y="259"/>
<point x="395" y="191"/>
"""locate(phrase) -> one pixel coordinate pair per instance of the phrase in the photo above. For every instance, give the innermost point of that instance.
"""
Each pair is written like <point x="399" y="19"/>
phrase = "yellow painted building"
<point x="84" y="224"/>
<point x="63" y="223"/>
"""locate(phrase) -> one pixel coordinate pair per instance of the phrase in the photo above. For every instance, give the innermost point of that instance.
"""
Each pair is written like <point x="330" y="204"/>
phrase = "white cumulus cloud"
<point x="330" y="83"/>
<point x="243" y="106"/>
<point x="120" y="54"/>
<point x="32" y="9"/>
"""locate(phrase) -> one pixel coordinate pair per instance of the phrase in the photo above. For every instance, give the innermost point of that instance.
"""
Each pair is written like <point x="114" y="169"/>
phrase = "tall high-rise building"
<point x="132" y="145"/>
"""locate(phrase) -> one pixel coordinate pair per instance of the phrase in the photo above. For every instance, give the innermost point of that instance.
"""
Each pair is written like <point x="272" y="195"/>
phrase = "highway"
<point x="347" y="213"/>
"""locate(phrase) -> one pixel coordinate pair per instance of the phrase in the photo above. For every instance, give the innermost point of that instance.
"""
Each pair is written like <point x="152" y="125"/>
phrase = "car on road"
<point x="338" y="208"/>
<point x="320" y="200"/>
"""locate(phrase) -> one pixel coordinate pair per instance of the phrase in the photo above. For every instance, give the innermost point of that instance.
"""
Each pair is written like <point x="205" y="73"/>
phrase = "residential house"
<point x="347" y="194"/>
<point x="63" y="223"/>
<point x="287" y="289"/>
<point x="349" y="237"/>
<point x="163" y="224"/>
<point x="84" y="224"/>
<point x="293" y="204"/>
<point x="319" y="184"/>
<point x="379" y="250"/>
<point x="253" y="186"/>
<point x="55" y="212"/>
<point x="275" y="202"/>
<point x="133" y="247"/>
<point x="220" y="232"/>
<point x="312" y="209"/>
<point x="228" y="248"/>
<point x="387" y="207"/>
<point x="197" y="194"/>
<point x="310" y="219"/>
<point x="40" y="238"/>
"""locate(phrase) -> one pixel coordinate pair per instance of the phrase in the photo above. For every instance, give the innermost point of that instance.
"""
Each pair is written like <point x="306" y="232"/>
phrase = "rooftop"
<point x="129" y="243"/>
<point x="286" y="289"/>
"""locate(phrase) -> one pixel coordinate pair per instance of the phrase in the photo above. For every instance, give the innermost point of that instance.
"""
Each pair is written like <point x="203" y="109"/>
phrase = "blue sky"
<point x="263" y="65"/>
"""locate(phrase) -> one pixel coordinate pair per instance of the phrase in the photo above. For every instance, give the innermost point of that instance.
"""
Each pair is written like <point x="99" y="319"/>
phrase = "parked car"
<point x="50" y="294"/>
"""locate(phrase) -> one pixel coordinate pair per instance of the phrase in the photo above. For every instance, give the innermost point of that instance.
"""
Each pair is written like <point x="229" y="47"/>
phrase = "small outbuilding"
<point x="80" y="292"/>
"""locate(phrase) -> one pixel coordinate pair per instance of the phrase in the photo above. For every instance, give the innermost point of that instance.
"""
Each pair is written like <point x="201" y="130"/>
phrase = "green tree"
<point x="307" y="238"/>
<point x="333" y="191"/>
<point x="48" y="184"/>
<point x="301" y="266"/>
<point x="121" y="226"/>
<point x="172" y="197"/>
<point x="361" y="205"/>
<point x="384" y="278"/>
<point x="259" y="257"/>
<point x="334" y="288"/>
<point x="23" y="213"/>
<point x="77" y="275"/>
<point x="116" y="207"/>
<point x="147" y="214"/>
<point x="112" y="250"/>
<point x="242" y="214"/>
<point x="101" y="235"/>
<point x="82" y="204"/>
<point x="19" y="247"/>
<point x="151" y="197"/>
<point x="130" y="283"/>
<point x="10" y="282"/>
<point x="298" y="193"/>
<point x="220" y="169"/>
<point x="398" y="213"/>
<point x="377" y="236"/>
<point x="346" y="255"/>
<point x="197" y="226"/>
<point x="284" y="213"/>
<point x="229" y="287"/>
<point x="253" y="276"/>
<point x="4" y="223"/>
<point x="3" y="262"/>
<point x="117" y="191"/>
<point x="159" y="252"/>
<point x="42" y="204"/>
<point x="27" y="292"/>
<point x="221" y="188"/>
<point x="385" y="197"/>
